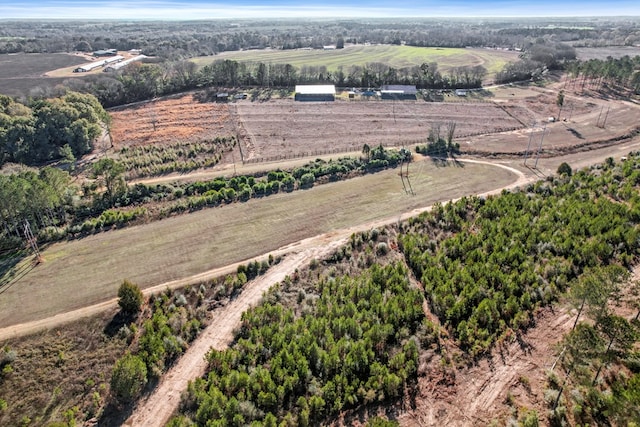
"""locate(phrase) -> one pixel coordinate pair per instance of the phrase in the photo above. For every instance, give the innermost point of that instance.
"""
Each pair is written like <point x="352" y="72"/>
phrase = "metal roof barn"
<point x="93" y="65"/>
<point x="121" y="64"/>
<point x="315" y="93"/>
<point x="398" y="92"/>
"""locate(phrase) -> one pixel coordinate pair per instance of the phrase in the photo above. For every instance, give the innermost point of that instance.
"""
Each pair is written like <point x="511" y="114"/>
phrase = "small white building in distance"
<point x="96" y="64"/>
<point x="315" y="93"/>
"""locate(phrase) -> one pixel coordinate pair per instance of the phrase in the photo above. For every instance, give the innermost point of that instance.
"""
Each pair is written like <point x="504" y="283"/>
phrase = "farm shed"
<point x="315" y="93"/>
<point x="93" y="65"/>
<point x="398" y="92"/>
<point x="105" y="52"/>
<point x="118" y="65"/>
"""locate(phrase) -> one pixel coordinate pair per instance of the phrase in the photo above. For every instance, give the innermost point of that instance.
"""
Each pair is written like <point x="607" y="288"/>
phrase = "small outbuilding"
<point x="398" y="92"/>
<point x="315" y="93"/>
<point x="105" y="52"/>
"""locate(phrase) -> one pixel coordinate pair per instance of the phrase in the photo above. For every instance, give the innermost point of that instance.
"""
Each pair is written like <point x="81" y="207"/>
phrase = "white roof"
<point x="316" y="89"/>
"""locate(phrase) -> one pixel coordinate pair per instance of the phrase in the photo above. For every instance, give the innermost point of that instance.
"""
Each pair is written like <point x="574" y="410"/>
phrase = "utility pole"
<point x="604" y="122"/>
<point x="526" y="153"/>
<point x="32" y="241"/>
<point x="598" y="121"/>
<point x="535" y="166"/>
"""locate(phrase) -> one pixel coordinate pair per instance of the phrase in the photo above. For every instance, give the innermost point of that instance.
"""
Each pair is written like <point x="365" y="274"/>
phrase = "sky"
<point x="201" y="9"/>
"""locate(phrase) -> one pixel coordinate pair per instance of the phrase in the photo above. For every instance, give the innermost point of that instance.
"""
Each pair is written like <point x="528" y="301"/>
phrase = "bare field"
<point x="171" y="120"/>
<point x="19" y="73"/>
<point x="602" y="53"/>
<point x="501" y="121"/>
<point x="585" y="122"/>
<point x="288" y="128"/>
<point x="90" y="270"/>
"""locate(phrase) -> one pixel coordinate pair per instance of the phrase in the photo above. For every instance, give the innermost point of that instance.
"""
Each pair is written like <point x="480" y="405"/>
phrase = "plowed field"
<point x="290" y="129"/>
<point x="169" y="121"/>
<point x="497" y="122"/>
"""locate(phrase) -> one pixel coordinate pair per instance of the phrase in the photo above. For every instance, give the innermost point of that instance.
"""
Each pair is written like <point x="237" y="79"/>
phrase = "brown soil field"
<point x="503" y="121"/>
<point x="171" y="120"/>
<point x="20" y="73"/>
<point x="288" y="128"/>
<point x="586" y="122"/>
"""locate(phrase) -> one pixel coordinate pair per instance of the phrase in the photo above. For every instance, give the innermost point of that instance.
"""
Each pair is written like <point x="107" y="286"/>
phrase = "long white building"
<point x="118" y="65"/>
<point x="96" y="64"/>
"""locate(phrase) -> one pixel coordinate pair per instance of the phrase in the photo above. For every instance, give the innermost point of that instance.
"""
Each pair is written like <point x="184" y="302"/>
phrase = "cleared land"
<point x="395" y="56"/>
<point x="586" y="53"/>
<point x="173" y="120"/>
<point x="90" y="270"/>
<point x="291" y="129"/>
<point x="496" y="122"/>
<point x="22" y="72"/>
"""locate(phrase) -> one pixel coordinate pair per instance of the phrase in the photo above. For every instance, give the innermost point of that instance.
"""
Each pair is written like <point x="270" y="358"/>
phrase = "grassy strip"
<point x="87" y="271"/>
<point x="391" y="55"/>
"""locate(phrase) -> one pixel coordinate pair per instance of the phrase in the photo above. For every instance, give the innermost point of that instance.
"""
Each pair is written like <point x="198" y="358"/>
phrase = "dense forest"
<point x="48" y="129"/>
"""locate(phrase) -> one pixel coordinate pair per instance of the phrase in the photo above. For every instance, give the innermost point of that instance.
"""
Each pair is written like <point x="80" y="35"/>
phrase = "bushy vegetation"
<point x="150" y="160"/>
<point x="130" y="298"/>
<point x="49" y="200"/>
<point x="49" y="129"/>
<point x="439" y="145"/>
<point x="599" y="355"/>
<point x="487" y="263"/>
<point x="349" y="340"/>
<point x="97" y="368"/>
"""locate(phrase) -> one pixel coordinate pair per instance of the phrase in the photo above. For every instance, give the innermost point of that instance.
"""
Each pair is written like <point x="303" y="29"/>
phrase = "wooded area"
<point x="49" y="129"/>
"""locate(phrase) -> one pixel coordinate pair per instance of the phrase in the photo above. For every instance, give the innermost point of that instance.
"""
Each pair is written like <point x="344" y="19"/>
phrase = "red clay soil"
<point x="509" y="124"/>
<point x="172" y="120"/>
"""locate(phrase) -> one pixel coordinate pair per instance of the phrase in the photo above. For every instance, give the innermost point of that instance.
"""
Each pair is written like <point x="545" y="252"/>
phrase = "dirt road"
<point x="156" y="409"/>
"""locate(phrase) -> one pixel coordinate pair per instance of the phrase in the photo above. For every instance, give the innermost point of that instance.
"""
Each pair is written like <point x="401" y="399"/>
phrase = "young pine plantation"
<point x="348" y="340"/>
<point x="396" y="314"/>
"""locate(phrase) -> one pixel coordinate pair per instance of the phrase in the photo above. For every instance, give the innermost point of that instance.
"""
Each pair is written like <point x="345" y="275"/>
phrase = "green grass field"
<point x="86" y="271"/>
<point x="392" y="55"/>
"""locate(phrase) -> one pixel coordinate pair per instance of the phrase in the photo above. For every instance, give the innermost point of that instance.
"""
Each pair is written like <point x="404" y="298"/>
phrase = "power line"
<point x="32" y="241"/>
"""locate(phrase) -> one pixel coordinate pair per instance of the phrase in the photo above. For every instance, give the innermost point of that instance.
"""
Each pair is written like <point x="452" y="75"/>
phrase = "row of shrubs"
<point x="148" y="160"/>
<point x="164" y="330"/>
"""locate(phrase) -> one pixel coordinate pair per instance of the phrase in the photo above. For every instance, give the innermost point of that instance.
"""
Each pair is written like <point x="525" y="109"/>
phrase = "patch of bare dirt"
<point x="476" y="395"/>
<point x="181" y="119"/>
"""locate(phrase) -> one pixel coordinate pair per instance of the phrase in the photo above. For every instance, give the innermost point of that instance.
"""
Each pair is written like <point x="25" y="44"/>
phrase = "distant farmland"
<point x="392" y="55"/>
<point x="21" y="72"/>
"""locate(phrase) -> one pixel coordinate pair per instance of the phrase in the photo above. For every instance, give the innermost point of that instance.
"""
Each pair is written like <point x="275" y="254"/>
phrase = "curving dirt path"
<point x="478" y="391"/>
<point x="157" y="408"/>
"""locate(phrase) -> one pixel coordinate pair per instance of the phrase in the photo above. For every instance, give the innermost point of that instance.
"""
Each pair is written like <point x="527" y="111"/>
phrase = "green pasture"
<point x="391" y="55"/>
<point x="87" y="271"/>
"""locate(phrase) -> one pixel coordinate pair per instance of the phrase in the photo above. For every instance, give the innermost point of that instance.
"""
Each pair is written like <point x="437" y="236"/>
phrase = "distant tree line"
<point x="46" y="129"/>
<point x="534" y="63"/>
<point x="623" y="72"/>
<point x="180" y="40"/>
<point x="139" y="81"/>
